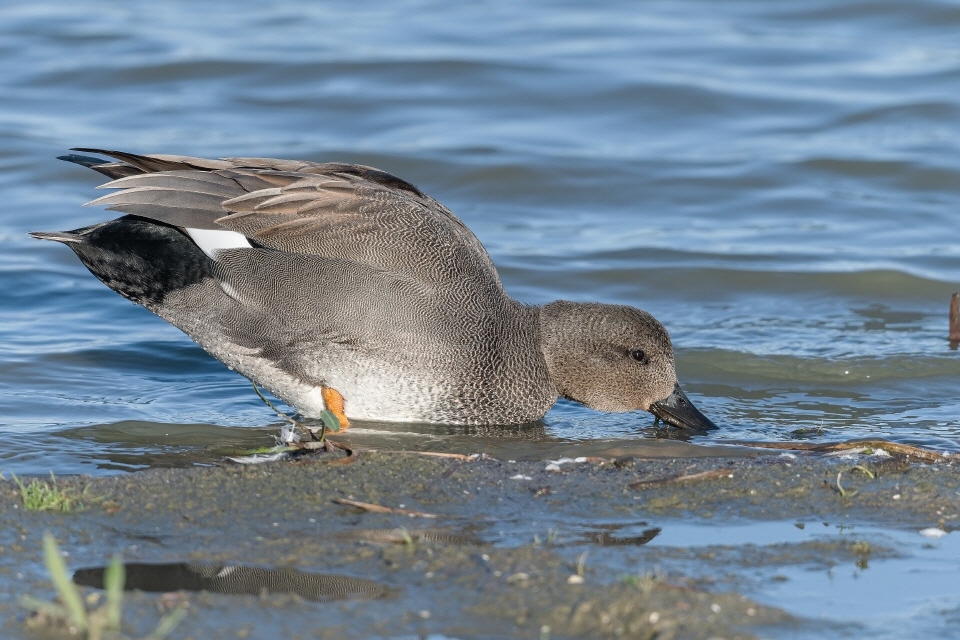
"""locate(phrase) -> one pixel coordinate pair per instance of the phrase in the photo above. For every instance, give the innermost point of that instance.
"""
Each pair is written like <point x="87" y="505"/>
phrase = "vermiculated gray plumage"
<point x="305" y="275"/>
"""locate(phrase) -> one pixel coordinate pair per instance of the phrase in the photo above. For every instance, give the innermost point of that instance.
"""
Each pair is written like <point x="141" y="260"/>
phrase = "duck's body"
<point x="306" y="276"/>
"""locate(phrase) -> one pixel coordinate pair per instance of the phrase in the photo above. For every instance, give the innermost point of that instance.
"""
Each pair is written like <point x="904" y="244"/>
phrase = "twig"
<point x="703" y="475"/>
<point x="954" y="320"/>
<point x="830" y="447"/>
<point x="456" y="456"/>
<point x="376" y="508"/>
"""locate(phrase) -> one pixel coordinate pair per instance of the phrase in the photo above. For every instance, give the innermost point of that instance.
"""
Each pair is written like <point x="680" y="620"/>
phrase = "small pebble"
<point x="932" y="532"/>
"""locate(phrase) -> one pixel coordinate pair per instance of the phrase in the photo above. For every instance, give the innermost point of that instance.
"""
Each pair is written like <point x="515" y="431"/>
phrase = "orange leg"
<point x="334" y="402"/>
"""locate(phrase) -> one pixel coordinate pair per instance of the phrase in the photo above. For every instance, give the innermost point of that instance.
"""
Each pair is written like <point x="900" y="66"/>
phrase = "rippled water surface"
<point x="777" y="182"/>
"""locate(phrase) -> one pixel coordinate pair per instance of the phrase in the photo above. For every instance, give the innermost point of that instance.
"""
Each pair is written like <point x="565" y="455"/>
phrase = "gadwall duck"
<point x="342" y="287"/>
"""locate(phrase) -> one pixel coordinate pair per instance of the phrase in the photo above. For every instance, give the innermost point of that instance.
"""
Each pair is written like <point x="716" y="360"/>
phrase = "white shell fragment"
<point x="554" y="465"/>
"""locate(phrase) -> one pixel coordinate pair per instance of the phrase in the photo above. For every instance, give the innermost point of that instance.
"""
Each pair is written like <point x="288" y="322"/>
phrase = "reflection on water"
<point x="132" y="445"/>
<point x="834" y="572"/>
<point x="821" y="571"/>
<point x="236" y="580"/>
<point x="611" y="536"/>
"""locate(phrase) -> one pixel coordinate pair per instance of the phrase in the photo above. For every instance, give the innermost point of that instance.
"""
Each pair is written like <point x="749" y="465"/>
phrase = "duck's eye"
<point x="638" y="355"/>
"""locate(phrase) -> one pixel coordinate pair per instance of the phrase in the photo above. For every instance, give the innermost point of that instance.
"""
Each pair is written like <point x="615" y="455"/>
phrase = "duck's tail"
<point x="65" y="237"/>
<point x="113" y="170"/>
<point x="140" y="259"/>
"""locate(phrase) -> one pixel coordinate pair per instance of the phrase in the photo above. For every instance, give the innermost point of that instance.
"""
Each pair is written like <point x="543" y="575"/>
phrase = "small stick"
<point x="830" y="447"/>
<point x="376" y="508"/>
<point x="439" y="454"/>
<point x="703" y="475"/>
<point x="954" y="320"/>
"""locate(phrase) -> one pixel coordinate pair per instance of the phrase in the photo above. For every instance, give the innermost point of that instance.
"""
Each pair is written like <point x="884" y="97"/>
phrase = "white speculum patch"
<point x="210" y="241"/>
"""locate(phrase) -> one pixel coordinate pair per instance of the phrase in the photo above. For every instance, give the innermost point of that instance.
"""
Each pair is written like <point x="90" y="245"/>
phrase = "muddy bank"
<point x="495" y="549"/>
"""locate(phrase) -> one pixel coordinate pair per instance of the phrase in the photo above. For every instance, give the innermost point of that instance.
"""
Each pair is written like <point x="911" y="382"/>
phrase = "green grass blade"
<point x="167" y="624"/>
<point x="113" y="580"/>
<point x="62" y="583"/>
<point x="43" y="495"/>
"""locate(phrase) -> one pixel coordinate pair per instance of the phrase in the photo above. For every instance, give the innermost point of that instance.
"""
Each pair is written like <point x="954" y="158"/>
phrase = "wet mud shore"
<point x="404" y="545"/>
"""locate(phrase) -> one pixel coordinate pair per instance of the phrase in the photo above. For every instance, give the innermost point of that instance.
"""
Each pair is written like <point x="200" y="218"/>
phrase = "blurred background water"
<point x="777" y="182"/>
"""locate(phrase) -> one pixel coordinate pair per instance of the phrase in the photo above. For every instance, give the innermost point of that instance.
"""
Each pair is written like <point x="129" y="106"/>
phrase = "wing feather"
<point x="333" y="210"/>
<point x="205" y="182"/>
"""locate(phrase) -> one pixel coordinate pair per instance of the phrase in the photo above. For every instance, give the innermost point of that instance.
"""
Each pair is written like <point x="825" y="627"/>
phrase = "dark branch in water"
<point x="954" y="320"/>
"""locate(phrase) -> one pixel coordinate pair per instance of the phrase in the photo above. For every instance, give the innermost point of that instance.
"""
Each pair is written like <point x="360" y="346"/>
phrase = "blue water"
<point x="779" y="183"/>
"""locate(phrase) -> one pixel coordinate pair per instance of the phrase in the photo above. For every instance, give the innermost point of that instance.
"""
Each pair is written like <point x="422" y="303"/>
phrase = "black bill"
<point x="677" y="410"/>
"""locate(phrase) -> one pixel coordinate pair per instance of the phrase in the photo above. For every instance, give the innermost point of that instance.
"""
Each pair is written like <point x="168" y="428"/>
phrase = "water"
<point x="837" y="577"/>
<point x="855" y="593"/>
<point x="777" y="183"/>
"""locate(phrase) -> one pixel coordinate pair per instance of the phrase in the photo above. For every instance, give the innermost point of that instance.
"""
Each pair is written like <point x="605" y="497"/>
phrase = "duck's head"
<point x="615" y="358"/>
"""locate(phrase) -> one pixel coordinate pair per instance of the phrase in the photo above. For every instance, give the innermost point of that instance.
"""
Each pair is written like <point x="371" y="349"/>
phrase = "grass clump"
<point x="71" y="615"/>
<point x="553" y="537"/>
<point x="647" y="581"/>
<point x="45" y="495"/>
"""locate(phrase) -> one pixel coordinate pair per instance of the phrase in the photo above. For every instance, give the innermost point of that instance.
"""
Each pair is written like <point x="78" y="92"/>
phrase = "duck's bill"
<point x="677" y="410"/>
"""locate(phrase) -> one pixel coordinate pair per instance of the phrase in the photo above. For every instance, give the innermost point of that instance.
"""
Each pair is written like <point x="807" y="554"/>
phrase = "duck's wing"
<point x="332" y="210"/>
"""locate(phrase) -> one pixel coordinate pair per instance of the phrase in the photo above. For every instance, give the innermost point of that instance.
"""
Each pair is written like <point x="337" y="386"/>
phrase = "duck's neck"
<point x="559" y="327"/>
